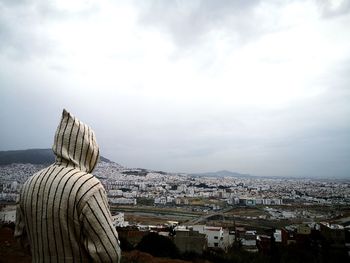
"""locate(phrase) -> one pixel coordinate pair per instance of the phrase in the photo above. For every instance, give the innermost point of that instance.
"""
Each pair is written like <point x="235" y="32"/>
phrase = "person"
<point x="62" y="210"/>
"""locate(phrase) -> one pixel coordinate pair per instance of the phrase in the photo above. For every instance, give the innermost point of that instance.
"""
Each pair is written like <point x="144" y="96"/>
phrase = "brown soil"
<point x="136" y="256"/>
<point x="11" y="252"/>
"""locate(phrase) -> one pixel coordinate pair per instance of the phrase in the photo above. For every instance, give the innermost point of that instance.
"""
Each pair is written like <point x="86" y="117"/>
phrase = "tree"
<point x="158" y="246"/>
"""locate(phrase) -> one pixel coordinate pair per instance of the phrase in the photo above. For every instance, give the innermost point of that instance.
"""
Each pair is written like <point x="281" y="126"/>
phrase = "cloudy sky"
<point x="258" y="87"/>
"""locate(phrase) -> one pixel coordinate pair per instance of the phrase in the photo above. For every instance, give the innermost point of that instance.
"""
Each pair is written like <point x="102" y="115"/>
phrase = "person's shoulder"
<point x="89" y="184"/>
<point x="89" y="187"/>
<point x="36" y="174"/>
<point x="91" y="181"/>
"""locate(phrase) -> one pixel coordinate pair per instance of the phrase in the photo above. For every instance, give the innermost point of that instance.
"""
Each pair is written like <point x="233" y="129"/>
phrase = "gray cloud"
<point x="188" y="22"/>
<point x="192" y="129"/>
<point x="331" y="10"/>
<point x="21" y="30"/>
<point x="23" y="26"/>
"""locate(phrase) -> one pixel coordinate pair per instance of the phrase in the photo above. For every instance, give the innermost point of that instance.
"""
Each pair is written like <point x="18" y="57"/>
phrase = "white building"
<point x="182" y="188"/>
<point x="115" y="192"/>
<point x="123" y="201"/>
<point x="129" y="194"/>
<point x="249" y="241"/>
<point x="160" y="200"/>
<point x="170" y="199"/>
<point x="118" y="220"/>
<point x="14" y="186"/>
<point x="215" y="235"/>
<point x="8" y="216"/>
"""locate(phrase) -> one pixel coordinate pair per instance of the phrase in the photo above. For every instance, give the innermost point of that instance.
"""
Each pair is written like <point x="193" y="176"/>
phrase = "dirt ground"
<point x="11" y="252"/>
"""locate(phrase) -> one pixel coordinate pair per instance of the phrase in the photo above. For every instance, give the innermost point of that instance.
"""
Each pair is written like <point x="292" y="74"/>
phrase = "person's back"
<point x="63" y="209"/>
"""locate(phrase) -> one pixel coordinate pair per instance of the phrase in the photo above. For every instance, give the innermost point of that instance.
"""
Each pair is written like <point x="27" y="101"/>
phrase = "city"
<point x="226" y="125"/>
<point x="210" y="212"/>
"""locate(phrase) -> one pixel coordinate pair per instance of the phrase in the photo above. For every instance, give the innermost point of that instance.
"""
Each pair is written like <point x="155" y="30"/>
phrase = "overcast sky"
<point x="258" y="87"/>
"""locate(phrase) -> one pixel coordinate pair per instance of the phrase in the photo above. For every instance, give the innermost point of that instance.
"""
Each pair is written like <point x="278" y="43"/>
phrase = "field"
<point x="250" y="217"/>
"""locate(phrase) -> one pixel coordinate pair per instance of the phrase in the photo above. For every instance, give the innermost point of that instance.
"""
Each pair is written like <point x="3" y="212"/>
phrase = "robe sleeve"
<point x="99" y="235"/>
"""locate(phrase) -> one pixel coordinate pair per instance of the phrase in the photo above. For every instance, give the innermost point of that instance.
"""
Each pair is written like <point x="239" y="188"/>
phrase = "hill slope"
<point x="223" y="173"/>
<point x="34" y="156"/>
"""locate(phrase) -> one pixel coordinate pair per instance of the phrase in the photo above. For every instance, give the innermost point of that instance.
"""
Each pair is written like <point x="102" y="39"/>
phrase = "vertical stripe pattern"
<point x="63" y="210"/>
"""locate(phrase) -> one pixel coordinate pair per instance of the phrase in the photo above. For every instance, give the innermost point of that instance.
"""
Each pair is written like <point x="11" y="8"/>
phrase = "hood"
<point x="75" y="144"/>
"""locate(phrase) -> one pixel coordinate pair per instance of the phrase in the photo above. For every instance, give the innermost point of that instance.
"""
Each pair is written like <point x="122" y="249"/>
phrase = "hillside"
<point x="223" y="173"/>
<point x="46" y="156"/>
<point x="33" y="156"/>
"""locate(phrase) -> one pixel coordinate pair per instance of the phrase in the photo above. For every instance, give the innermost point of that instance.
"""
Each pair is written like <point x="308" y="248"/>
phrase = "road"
<point x="205" y="217"/>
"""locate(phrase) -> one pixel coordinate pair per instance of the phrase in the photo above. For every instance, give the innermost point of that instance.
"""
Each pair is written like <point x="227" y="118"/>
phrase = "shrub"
<point x="158" y="246"/>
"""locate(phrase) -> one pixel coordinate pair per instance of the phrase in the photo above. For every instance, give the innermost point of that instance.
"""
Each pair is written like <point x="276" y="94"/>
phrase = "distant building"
<point x="254" y="202"/>
<point x="233" y="201"/>
<point x="160" y="200"/>
<point x="14" y="186"/>
<point x="278" y="235"/>
<point x="216" y="236"/>
<point x="123" y="201"/>
<point x="247" y="202"/>
<point x="115" y="193"/>
<point x="8" y="215"/>
<point x="118" y="220"/>
<point x="248" y="240"/>
<point x="181" y="201"/>
<point x="170" y="199"/>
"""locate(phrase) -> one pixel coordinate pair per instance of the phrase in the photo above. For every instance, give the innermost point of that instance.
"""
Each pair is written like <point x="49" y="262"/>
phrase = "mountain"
<point x="223" y="173"/>
<point x="33" y="156"/>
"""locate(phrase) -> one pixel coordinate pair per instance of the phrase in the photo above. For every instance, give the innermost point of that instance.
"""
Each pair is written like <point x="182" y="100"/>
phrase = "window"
<point x="216" y="244"/>
<point x="216" y="237"/>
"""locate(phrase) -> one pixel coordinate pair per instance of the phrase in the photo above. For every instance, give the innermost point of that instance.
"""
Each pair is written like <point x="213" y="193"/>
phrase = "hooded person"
<point x="62" y="210"/>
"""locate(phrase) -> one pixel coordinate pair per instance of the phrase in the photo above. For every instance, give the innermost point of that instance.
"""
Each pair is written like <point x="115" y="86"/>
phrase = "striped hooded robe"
<point x="63" y="210"/>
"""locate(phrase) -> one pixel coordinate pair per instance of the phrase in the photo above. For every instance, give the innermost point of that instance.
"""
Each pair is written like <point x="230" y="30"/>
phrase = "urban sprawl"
<point x="199" y="212"/>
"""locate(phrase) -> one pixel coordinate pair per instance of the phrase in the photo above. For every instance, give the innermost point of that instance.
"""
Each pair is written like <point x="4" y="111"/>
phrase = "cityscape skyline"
<point x="43" y="157"/>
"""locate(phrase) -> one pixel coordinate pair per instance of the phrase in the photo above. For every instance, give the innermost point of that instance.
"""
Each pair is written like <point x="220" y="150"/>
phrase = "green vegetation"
<point x="158" y="246"/>
<point x="145" y="201"/>
<point x="33" y="156"/>
<point x="314" y="252"/>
